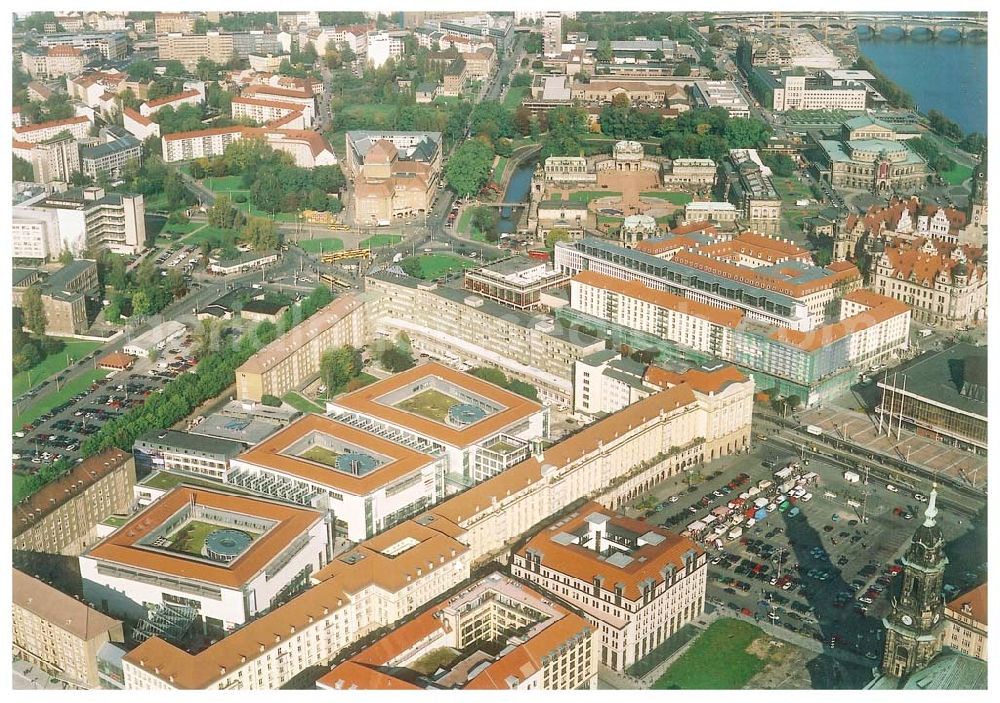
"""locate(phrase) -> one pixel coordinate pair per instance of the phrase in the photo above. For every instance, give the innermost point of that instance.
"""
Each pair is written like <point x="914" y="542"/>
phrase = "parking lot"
<point x="823" y="572"/>
<point x="61" y="431"/>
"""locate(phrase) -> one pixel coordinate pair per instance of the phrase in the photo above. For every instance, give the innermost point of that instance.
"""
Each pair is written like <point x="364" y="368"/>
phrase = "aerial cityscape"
<point x="527" y="350"/>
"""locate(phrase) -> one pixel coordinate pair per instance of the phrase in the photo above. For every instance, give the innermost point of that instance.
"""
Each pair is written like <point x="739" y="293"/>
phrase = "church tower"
<point x="978" y="211"/>
<point x="914" y="628"/>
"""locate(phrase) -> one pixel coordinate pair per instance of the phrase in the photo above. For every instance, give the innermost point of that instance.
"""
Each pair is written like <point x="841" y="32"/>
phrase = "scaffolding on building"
<point x="167" y="621"/>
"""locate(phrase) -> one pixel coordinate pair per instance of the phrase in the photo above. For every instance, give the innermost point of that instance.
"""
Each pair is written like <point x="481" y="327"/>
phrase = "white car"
<point x="919" y="498"/>
<point x="673" y="499"/>
<point x="891" y="488"/>
<point x="806" y="498"/>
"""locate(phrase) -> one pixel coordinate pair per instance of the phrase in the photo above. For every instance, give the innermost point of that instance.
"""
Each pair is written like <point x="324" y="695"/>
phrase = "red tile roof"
<point x="828" y="334"/>
<point x="173" y="98"/>
<point x="699" y="380"/>
<point x="199" y="133"/>
<point x="137" y="116"/>
<point x="975" y="599"/>
<point x="305" y="92"/>
<point x="50" y="124"/>
<point x="267" y="103"/>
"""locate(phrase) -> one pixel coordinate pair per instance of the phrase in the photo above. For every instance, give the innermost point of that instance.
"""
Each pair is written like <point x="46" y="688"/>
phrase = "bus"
<point x="334" y="281"/>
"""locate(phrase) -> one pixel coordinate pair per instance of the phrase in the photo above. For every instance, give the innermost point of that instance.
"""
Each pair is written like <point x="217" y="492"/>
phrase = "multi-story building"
<point x="637" y="583"/>
<point x="55" y="159"/>
<point x="941" y="394"/>
<point x="62" y="517"/>
<point x="791" y="92"/>
<point x="454" y="324"/>
<point x="108" y="157"/>
<point x="722" y="94"/>
<point x="187" y="97"/>
<point x="721" y="213"/>
<point x="383" y="46"/>
<point x="78" y="127"/>
<point x="965" y="615"/>
<point x="690" y="174"/>
<point x="302" y="98"/>
<point x="904" y="219"/>
<point x="227" y="557"/>
<point x="395" y="573"/>
<point x="517" y="282"/>
<point x="554" y="648"/>
<point x="308" y="148"/>
<point x="183" y="452"/>
<point x="287" y="362"/>
<point x="268" y="111"/>
<point x="552" y="34"/>
<point x="189" y="48"/>
<point x="173" y="23"/>
<point x="498" y="29"/>
<point x="65" y="311"/>
<point x="58" y="632"/>
<point x="480" y="431"/>
<point x="656" y="92"/>
<point x="746" y="182"/>
<point x="79" y="219"/>
<point x="395" y="174"/>
<point x="293" y="20"/>
<point x="945" y="284"/>
<point x="869" y="156"/>
<point x="112" y="46"/>
<point x="255" y="41"/>
<point x="56" y="61"/>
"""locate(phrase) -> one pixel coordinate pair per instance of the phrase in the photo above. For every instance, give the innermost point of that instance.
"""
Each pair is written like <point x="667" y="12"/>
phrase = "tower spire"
<point x="931" y="513"/>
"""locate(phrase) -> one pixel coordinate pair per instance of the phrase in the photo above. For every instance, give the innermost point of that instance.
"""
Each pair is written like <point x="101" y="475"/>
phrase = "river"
<point x="947" y="76"/>
<point x="517" y="192"/>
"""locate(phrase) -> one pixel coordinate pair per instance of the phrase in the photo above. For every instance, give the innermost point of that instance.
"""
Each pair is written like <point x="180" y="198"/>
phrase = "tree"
<point x="66" y="257"/>
<point x="33" y="310"/>
<point x="141" y="71"/>
<point x="469" y="167"/>
<point x="113" y="312"/>
<point x="140" y="302"/>
<point x="267" y="192"/>
<point x="175" y="282"/>
<point x="338" y="366"/>
<point x="411" y="267"/>
<point x="396" y="360"/>
<point x="522" y="121"/>
<point x="604" y="53"/>
<point x="484" y="219"/>
<point x="270" y="400"/>
<point x="554" y="235"/>
<point x="223" y="214"/>
<point x="781" y="164"/>
<point x="682" y="69"/>
<point x="490" y="375"/>
<point x="261" y="234"/>
<point x="716" y="39"/>
<point x="23" y="170"/>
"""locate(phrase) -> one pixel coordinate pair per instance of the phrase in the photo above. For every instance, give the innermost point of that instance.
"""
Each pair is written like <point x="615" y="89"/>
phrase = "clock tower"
<point x="914" y="628"/>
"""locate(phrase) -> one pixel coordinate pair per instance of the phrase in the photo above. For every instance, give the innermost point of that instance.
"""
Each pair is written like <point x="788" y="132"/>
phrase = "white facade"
<point x="79" y="127"/>
<point x="264" y="111"/>
<point x="710" y="212"/>
<point x="596" y="392"/>
<point x="382" y="46"/>
<point x="795" y="96"/>
<point x="156" y="338"/>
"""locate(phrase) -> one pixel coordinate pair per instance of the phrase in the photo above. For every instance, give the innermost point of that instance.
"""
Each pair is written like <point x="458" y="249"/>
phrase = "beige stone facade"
<point x="395" y="174"/>
<point x="966" y="628"/>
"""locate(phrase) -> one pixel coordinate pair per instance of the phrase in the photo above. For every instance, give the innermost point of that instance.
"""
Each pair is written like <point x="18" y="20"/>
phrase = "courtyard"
<point x="431" y="403"/>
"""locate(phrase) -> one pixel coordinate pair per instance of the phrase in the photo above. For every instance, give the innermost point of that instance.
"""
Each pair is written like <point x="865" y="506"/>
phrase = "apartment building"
<point x="186" y="453"/>
<point x="251" y="552"/>
<point x="552" y="34"/>
<point x="186" y="97"/>
<point x="498" y="29"/>
<point x="62" y="517"/>
<point x="966" y="630"/>
<point x="189" y="48"/>
<point x="79" y="219"/>
<point x="383" y="46"/>
<point x="269" y="111"/>
<point x="308" y="148"/>
<point x="605" y="382"/>
<point x="112" y="46"/>
<point x="453" y="324"/>
<point x="173" y="23"/>
<point x="667" y="315"/>
<point x="554" y="648"/>
<point x="637" y="583"/>
<point x="287" y="362"/>
<point x="55" y="159"/>
<point x="293" y="20"/>
<point x="78" y="127"/>
<point x="108" y="157"/>
<point x="945" y="284"/>
<point x="393" y="574"/>
<point x="58" y="632"/>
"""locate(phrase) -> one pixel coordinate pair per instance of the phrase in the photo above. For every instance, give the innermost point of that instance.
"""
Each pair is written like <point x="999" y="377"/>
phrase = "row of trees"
<point x="142" y="291"/>
<point x="30" y="351"/>
<point x="339" y="368"/>
<point x="929" y="149"/>
<point x="215" y="372"/>
<point x="499" y="378"/>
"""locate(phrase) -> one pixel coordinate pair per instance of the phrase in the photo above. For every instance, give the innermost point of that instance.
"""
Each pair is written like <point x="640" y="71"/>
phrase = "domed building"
<point x="883" y="166"/>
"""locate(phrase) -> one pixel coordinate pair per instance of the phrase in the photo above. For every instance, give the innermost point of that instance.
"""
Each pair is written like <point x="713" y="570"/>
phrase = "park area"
<point x="436" y="265"/>
<point x="233" y="187"/>
<point x="671" y="197"/>
<point x="956" y="175"/>
<point x="431" y="403"/>
<point x="718" y="659"/>
<point x="190" y="539"/>
<point x="585" y="196"/>
<point x="380" y="240"/>
<point x="60" y="361"/>
<point x="302" y="404"/>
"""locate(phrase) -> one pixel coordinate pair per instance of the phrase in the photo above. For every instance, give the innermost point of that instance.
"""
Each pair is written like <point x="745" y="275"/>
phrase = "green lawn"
<point x="222" y="184"/>
<point x="791" y="189"/>
<point x="434" y="660"/>
<point x="322" y="245"/>
<point x="675" y="198"/>
<point x="499" y="168"/>
<point x="446" y="100"/>
<point x="555" y="196"/>
<point x="19" y="492"/>
<point x="116" y="521"/>
<point x="380" y="240"/>
<point x="724" y="641"/>
<point x="155" y="202"/>
<point x="321" y="455"/>
<point x="37" y="409"/>
<point x="182" y="227"/>
<point x="432" y="404"/>
<point x="52" y="364"/>
<point x="609" y="220"/>
<point x="585" y="196"/>
<point x="957" y="175"/>
<point x="215" y="236"/>
<point x="514" y="96"/>
<point x="190" y="539"/>
<point x="302" y="403"/>
<point x="464" y="221"/>
<point x="435" y="265"/>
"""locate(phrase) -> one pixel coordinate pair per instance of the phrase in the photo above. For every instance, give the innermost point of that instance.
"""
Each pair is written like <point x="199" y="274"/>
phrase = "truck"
<point x="926" y="333"/>
<point x="383" y="223"/>
<point x="397" y="258"/>
<point x="814" y="430"/>
<point x="736" y="533"/>
<point x="851" y="477"/>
